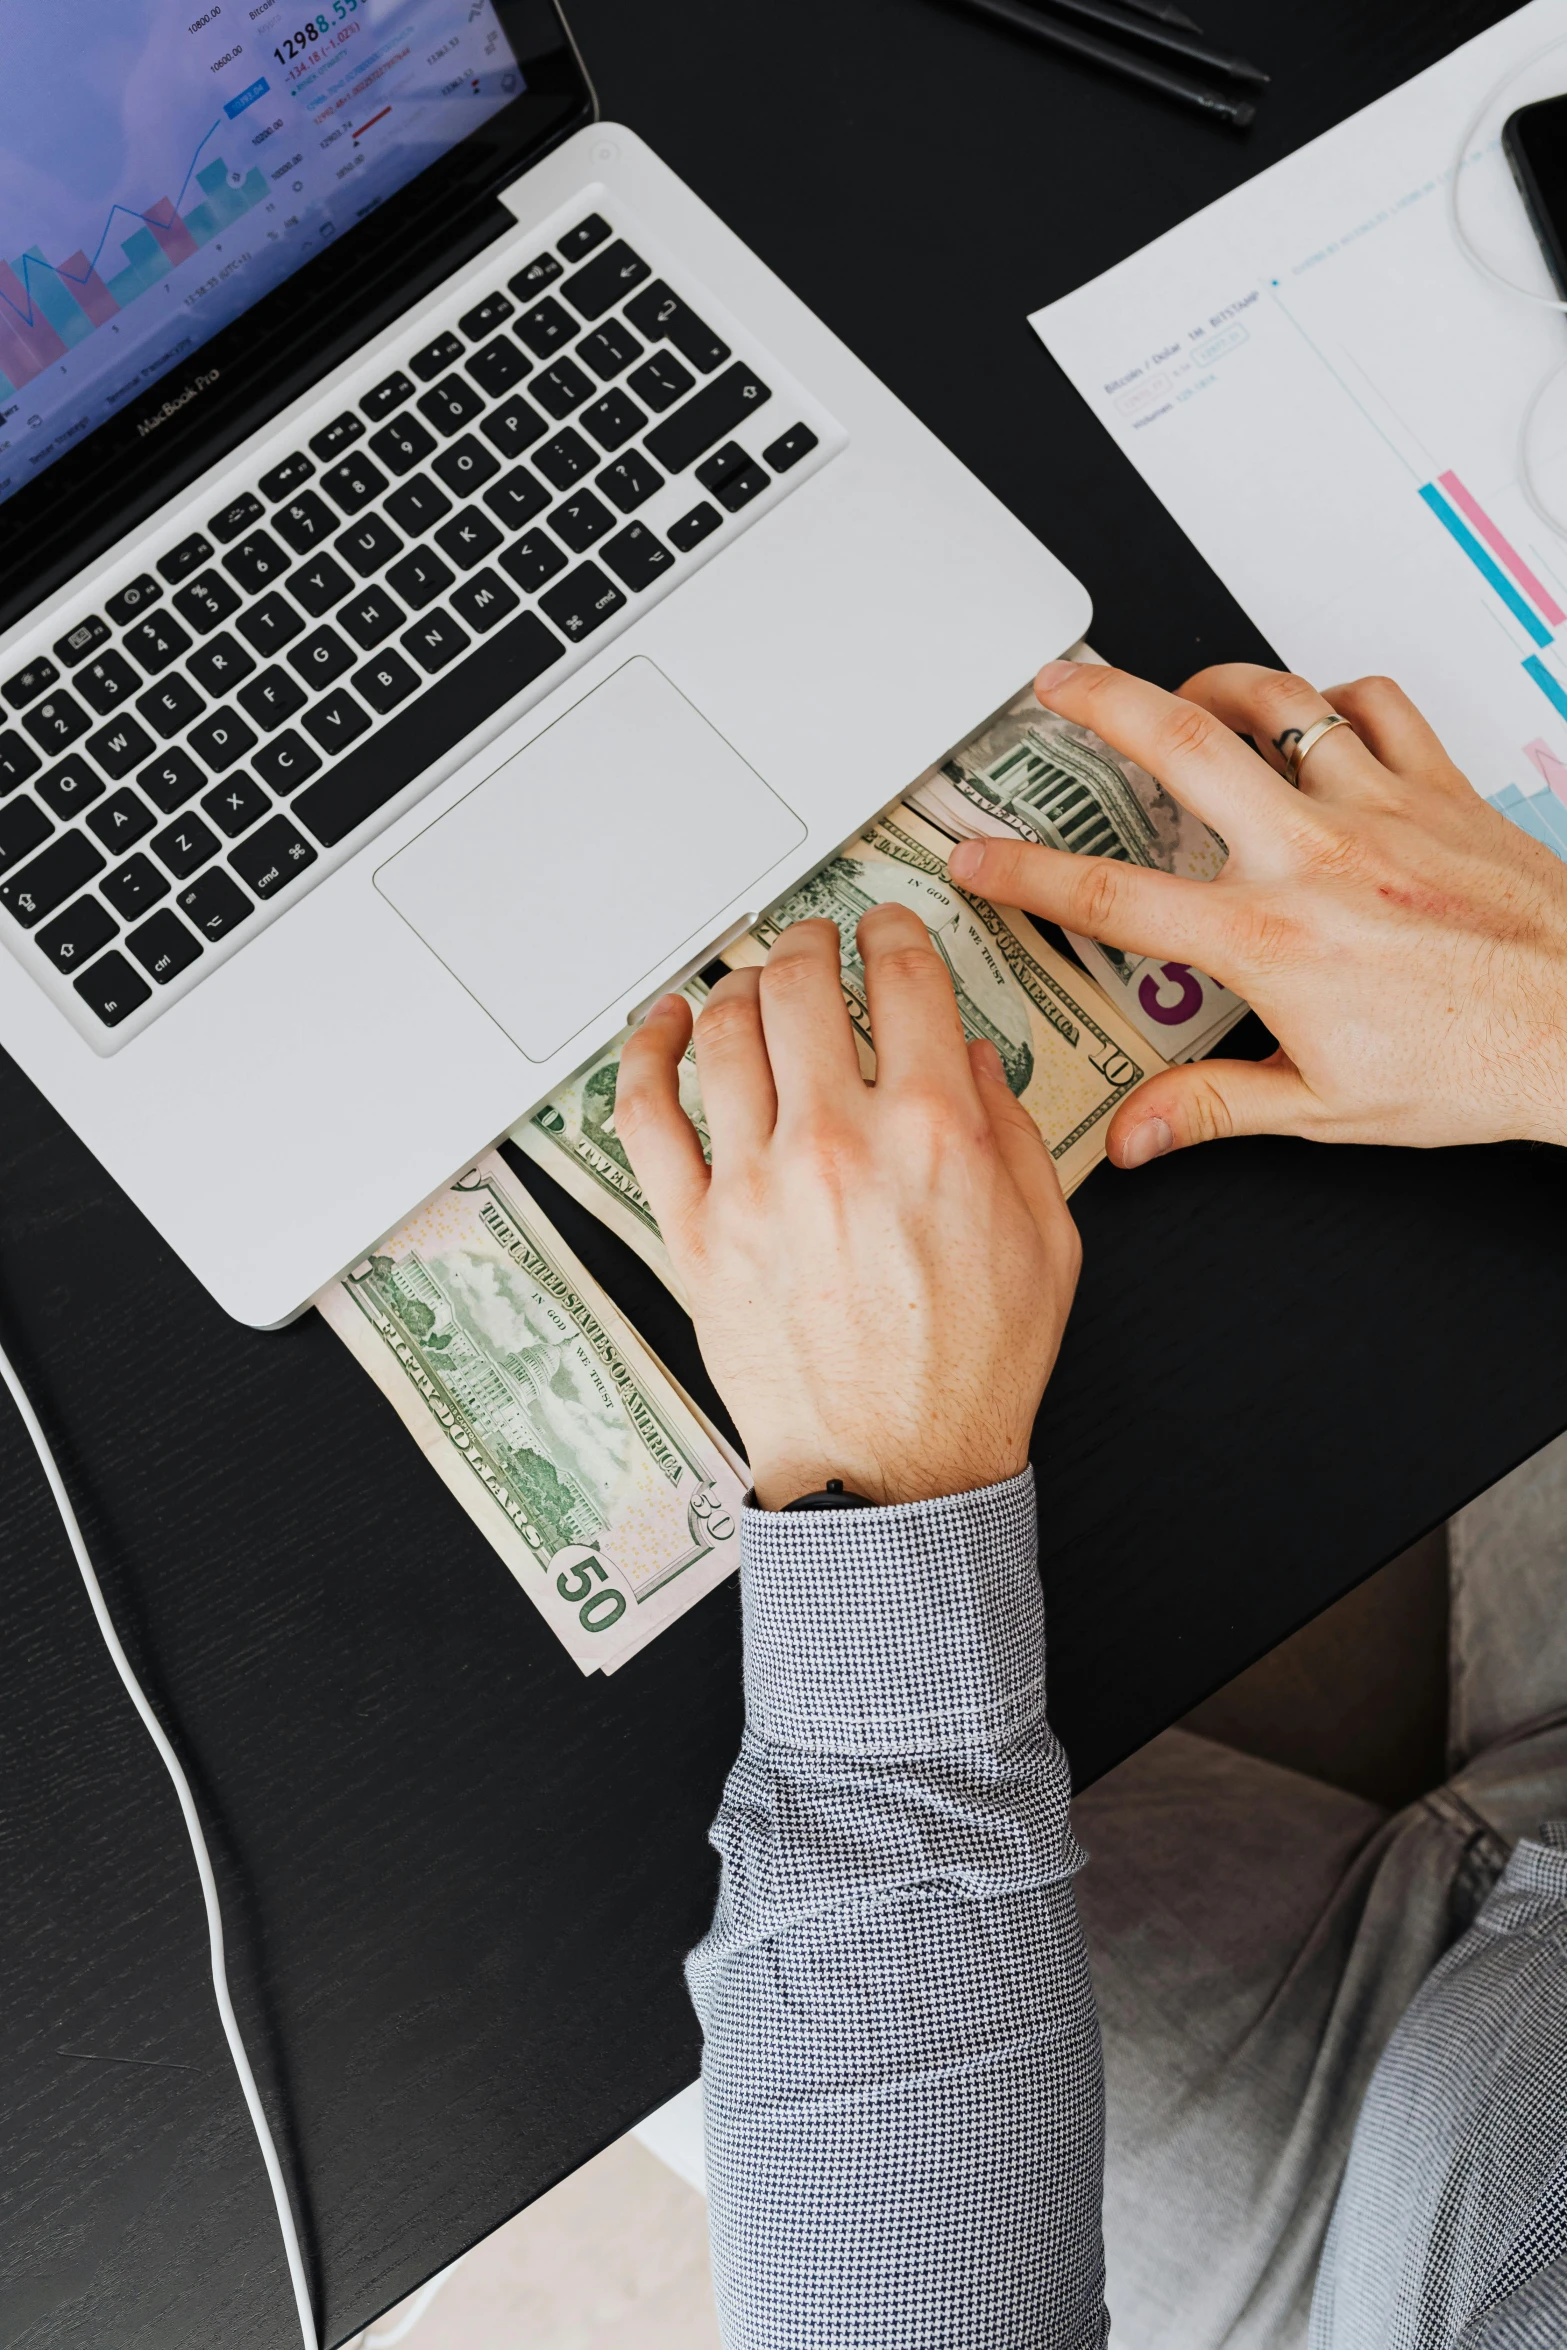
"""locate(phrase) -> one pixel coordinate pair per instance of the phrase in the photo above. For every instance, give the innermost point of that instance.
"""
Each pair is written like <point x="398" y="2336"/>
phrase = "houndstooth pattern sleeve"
<point x="901" y="2071"/>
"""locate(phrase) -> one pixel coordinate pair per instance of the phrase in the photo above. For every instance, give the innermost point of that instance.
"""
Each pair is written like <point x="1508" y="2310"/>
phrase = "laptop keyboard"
<point x="196" y="748"/>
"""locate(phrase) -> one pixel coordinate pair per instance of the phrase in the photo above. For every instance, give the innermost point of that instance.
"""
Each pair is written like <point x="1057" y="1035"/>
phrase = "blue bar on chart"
<point x="222" y="204"/>
<point x="1491" y="572"/>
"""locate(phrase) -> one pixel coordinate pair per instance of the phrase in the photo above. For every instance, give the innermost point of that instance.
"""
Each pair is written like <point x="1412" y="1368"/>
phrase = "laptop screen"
<point x="167" y="164"/>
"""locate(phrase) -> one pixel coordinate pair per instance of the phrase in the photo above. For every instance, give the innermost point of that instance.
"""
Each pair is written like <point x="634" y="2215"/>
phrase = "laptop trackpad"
<point x="598" y="856"/>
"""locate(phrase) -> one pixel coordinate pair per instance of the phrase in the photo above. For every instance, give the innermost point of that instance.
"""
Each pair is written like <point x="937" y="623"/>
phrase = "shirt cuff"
<point x="918" y="1628"/>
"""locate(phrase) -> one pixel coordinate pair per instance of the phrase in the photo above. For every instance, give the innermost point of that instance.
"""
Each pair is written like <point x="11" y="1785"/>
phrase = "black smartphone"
<point x="1534" y="140"/>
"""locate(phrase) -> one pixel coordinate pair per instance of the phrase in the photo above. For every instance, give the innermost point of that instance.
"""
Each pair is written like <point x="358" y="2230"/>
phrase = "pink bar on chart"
<point x="1502" y="549"/>
<point x="1550" y="769"/>
<point x="170" y="231"/>
<point x="89" y="289"/>
<point x="28" y="343"/>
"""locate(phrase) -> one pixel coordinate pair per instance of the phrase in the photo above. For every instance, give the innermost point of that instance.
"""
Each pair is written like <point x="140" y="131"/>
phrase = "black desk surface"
<point x="458" y="1878"/>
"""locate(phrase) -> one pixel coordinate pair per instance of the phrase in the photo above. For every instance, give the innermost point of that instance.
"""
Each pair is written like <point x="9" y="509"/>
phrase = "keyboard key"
<point x="498" y="366"/>
<point x="630" y="481"/>
<point x="256" y="562"/>
<point x="63" y="868"/>
<point x="499" y="668"/>
<point x="242" y="514"/>
<point x="466" y="466"/>
<point x="56" y="721"/>
<point x="339" y="435"/>
<point x="271" y="624"/>
<point x="584" y="236"/>
<point x="236" y="802"/>
<point x="169" y="782"/>
<point x="113" y="989"/>
<point x="29" y="683"/>
<point x="18" y="760"/>
<point x="389" y="394"/>
<point x="443" y="352"/>
<point x="636" y="556"/>
<point x="155" y="643"/>
<point x="546" y="327"/>
<point x="123" y="606"/>
<point x="714" y="411"/>
<point x="492" y="312"/>
<point x="450" y="405"/>
<point x="534" y="561"/>
<point x="23" y="826"/>
<point x="606" y="280"/>
<point x="483" y="600"/>
<point x="581" y="520"/>
<point x="220" y="664"/>
<point x="221" y="739"/>
<point x="535" y="277"/>
<point x="170" y="706"/>
<point x="120" y="747"/>
<point x="514" y="427"/>
<point x="304" y="522"/>
<point x="371" y="618"/>
<point x="71" y="786"/>
<point x="583" y="601"/>
<point x="369" y="546"/>
<point x="562" y="387"/>
<point x="106" y="682"/>
<point x="418" y="506"/>
<point x="287" y="762"/>
<point x="336" y="722"/>
<point x="270" y="698"/>
<point x="77" y="934"/>
<point x="182" y="560"/>
<point x="185" y="845"/>
<point x="662" y="317"/>
<point x="435" y="641"/>
<point x="204" y="602"/>
<point x="790" y="447"/>
<point x="354" y="483"/>
<point x="386" y="681"/>
<point x="134" y="886"/>
<point x="468" y="538"/>
<point x="283" y="480"/>
<point x="271" y="857"/>
<point x="121" y="821"/>
<point x="319" y="584"/>
<point x="214" y="905"/>
<point x="83" y="639"/>
<point x="733" y="486"/>
<point x="419" y="578"/>
<point x="164" y="947"/>
<point x="609" y="349"/>
<point x="566" y="458"/>
<point x="322" y="658"/>
<point x="402" y="444"/>
<point x="662" y="382"/>
<point x="517" y="498"/>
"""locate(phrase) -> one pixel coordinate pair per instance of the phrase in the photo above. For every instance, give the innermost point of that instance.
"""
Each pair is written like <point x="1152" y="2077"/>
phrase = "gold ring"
<point x="1309" y="741"/>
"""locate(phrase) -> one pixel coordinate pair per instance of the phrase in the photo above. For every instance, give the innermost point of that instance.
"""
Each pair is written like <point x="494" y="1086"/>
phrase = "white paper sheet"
<point x="1327" y="396"/>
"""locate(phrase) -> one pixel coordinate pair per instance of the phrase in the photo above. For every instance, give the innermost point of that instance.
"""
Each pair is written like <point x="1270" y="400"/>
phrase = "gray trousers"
<point x="1255" y="1936"/>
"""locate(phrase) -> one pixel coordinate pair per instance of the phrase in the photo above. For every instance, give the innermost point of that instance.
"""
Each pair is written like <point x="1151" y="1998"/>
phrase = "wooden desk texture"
<point x="458" y="1878"/>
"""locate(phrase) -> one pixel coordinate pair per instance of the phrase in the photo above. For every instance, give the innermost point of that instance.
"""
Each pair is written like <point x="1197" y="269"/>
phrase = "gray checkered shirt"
<point x="902" y="2076"/>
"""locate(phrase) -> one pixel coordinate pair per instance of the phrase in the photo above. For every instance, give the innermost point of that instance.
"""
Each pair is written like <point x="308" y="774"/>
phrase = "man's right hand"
<point x="1405" y="943"/>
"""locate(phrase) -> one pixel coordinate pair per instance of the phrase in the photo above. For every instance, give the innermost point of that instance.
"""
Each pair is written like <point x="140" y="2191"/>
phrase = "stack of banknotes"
<point x="591" y="1473"/>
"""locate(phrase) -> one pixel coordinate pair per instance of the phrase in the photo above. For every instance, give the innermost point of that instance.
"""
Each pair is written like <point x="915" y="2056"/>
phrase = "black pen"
<point x="1164" y="13"/>
<point x="1237" y="112"/>
<point x="1164" y="36"/>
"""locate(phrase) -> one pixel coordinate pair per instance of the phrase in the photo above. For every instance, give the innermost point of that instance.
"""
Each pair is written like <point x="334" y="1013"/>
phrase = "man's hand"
<point x="1405" y="943"/>
<point x="879" y="1275"/>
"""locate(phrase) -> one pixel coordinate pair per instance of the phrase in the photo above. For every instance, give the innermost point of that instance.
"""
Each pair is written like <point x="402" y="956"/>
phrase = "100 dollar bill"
<point x="567" y="1444"/>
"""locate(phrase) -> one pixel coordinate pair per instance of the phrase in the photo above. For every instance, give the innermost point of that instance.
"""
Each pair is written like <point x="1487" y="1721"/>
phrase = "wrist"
<point x="778" y="1482"/>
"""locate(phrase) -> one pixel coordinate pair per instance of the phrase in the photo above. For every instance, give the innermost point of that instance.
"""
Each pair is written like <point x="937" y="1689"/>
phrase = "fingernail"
<point x="1054" y="673"/>
<point x="1148" y="1141"/>
<point x="966" y="860"/>
<point x="990" y="1058"/>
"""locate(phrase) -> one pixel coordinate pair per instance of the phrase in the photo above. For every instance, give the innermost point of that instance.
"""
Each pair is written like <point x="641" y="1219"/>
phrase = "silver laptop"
<point x="448" y="586"/>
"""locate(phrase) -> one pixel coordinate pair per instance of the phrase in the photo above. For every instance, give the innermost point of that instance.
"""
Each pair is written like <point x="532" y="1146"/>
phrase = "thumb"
<point x="1205" y="1101"/>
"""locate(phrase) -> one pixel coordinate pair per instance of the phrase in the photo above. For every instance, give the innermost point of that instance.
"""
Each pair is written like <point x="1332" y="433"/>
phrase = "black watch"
<point x="831" y="1497"/>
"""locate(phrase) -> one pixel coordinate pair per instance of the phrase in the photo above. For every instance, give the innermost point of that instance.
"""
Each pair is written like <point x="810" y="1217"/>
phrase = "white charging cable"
<point x="198" y="1845"/>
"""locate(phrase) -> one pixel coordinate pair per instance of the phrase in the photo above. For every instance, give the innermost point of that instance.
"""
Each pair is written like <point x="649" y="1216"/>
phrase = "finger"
<point x="1207" y="1101"/>
<point x="1394" y="731"/>
<point x="662" y="1144"/>
<point x="1024" y="1151"/>
<point x="1099" y="897"/>
<point x="734" y="1071"/>
<point x="1200" y="760"/>
<point x="805" y="1020"/>
<point x="1277" y="710"/>
<point x="914" y="1013"/>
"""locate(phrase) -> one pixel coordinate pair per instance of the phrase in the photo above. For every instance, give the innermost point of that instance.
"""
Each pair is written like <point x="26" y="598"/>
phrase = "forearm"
<point x="902" y="2067"/>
